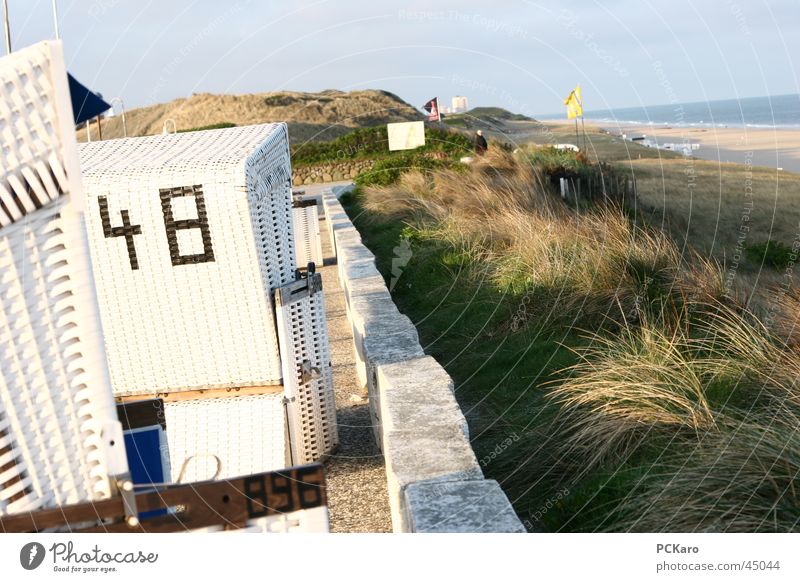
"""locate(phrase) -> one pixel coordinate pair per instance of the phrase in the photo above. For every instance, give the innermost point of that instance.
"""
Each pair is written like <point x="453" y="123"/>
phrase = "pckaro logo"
<point x="31" y="555"/>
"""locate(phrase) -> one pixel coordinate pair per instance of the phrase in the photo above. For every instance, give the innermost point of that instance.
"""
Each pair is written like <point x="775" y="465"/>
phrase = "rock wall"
<point x="435" y="481"/>
<point x="334" y="172"/>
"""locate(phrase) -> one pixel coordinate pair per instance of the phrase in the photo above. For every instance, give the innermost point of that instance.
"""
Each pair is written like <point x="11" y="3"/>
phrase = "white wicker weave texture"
<point x="246" y="434"/>
<point x="33" y="171"/>
<point x="308" y="246"/>
<point x="308" y="378"/>
<point x="55" y="398"/>
<point x="184" y="281"/>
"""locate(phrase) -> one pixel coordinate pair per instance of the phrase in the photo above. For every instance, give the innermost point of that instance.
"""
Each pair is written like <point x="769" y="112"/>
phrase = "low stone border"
<point x="330" y="172"/>
<point x="435" y="481"/>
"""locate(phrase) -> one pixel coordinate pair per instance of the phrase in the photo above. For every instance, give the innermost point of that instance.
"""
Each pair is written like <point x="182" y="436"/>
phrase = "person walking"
<point x="480" y="143"/>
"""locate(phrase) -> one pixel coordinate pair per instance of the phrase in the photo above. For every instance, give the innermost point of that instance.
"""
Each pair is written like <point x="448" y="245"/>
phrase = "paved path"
<point x="356" y="475"/>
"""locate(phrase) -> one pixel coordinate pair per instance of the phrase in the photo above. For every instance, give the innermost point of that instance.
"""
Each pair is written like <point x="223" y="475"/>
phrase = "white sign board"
<point x="406" y="136"/>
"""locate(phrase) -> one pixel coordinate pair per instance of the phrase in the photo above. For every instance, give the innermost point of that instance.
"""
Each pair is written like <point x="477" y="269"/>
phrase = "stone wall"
<point x="435" y="481"/>
<point x="333" y="172"/>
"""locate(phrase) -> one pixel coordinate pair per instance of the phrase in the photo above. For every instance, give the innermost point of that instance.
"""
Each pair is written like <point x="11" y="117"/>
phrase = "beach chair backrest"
<point x="58" y="424"/>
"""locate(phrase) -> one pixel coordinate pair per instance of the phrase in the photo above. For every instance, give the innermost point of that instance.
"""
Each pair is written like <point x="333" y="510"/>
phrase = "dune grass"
<point x="718" y="207"/>
<point x="641" y="394"/>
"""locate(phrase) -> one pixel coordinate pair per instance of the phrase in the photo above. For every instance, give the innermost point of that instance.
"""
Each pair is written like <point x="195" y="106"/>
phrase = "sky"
<point x="522" y="55"/>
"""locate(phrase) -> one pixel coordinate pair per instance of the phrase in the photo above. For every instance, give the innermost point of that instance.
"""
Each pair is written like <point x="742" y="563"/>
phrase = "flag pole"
<point x="55" y="21"/>
<point x="583" y="127"/>
<point x="7" y="27"/>
<point x="577" y="139"/>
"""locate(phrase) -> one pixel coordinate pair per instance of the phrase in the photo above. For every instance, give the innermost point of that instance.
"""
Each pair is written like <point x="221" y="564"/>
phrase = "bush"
<point x="772" y="253"/>
<point x="560" y="163"/>
<point x="387" y="171"/>
<point x="279" y="100"/>
<point x="373" y="142"/>
<point x="221" y="125"/>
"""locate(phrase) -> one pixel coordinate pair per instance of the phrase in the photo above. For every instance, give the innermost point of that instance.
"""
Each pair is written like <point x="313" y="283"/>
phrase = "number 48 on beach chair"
<point x="63" y="461"/>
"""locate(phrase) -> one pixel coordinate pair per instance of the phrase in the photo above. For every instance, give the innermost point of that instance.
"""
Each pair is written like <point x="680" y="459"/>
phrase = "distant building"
<point x="459" y="104"/>
<point x="445" y="110"/>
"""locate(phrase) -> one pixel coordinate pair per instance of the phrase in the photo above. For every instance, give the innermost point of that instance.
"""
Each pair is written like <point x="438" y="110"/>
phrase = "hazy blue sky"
<point x="525" y="56"/>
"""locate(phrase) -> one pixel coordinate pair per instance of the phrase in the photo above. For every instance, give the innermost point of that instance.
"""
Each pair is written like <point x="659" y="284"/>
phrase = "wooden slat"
<point x="204" y="394"/>
<point x="230" y="503"/>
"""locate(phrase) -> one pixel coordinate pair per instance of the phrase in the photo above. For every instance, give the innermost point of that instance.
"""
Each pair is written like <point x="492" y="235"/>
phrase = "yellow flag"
<point x="574" y="103"/>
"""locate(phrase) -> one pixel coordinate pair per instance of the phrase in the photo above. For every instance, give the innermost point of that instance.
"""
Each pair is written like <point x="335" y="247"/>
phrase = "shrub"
<point x="772" y="253"/>
<point x="221" y="125"/>
<point x="388" y="170"/>
<point x="559" y="163"/>
<point x="280" y="100"/>
<point x="373" y="142"/>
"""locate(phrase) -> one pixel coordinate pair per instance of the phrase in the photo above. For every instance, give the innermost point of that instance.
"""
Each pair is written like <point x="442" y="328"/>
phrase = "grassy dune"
<point x="636" y="391"/>
<point x="311" y="116"/>
<point x="711" y="205"/>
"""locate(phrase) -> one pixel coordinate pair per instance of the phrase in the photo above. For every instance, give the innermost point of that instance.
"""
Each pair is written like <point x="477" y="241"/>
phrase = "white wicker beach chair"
<point x="59" y="436"/>
<point x="191" y="235"/>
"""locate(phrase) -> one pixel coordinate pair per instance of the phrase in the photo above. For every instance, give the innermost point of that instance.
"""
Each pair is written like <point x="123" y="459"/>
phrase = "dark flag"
<point x="432" y="107"/>
<point x="85" y="104"/>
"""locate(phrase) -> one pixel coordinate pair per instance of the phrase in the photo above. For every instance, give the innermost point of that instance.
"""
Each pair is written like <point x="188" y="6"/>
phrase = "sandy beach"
<point x="772" y="148"/>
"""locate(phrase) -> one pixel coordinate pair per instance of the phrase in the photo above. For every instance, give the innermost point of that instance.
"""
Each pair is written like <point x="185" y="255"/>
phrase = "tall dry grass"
<point x="501" y="214"/>
<point x="744" y="477"/>
<point x="720" y="398"/>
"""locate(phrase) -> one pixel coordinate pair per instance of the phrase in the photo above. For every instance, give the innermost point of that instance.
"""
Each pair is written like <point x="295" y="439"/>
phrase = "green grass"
<point x="772" y="253"/>
<point x="713" y="206"/>
<point x="724" y="211"/>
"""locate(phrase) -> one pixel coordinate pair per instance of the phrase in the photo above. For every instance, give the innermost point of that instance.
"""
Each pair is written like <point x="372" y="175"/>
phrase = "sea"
<point x="782" y="111"/>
